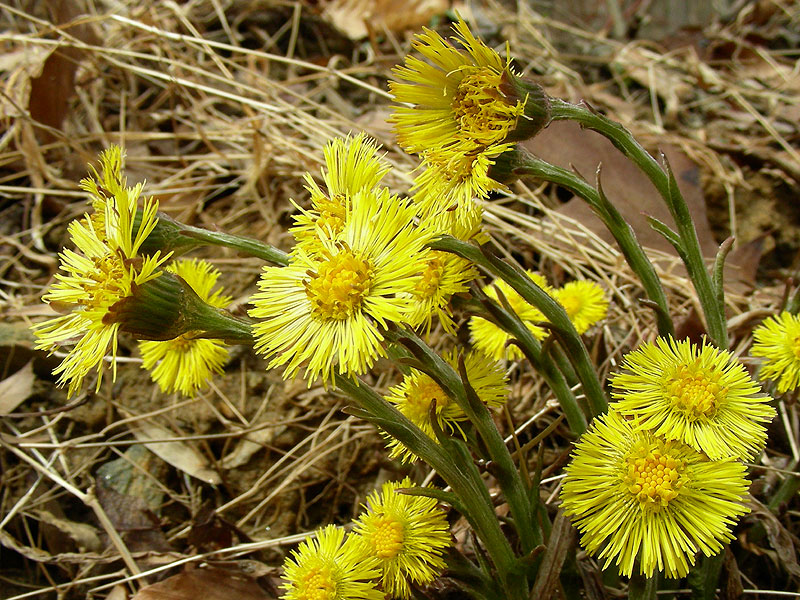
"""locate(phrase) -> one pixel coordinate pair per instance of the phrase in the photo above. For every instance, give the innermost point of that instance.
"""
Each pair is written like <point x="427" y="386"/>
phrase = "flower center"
<point x="431" y="278"/>
<point x="338" y="288"/>
<point x="420" y="396"/>
<point x="483" y="114"/>
<point x="387" y="537"/>
<point x="653" y="479"/>
<point x="695" y="391"/>
<point x="571" y="304"/>
<point x="317" y="584"/>
<point x="331" y="214"/>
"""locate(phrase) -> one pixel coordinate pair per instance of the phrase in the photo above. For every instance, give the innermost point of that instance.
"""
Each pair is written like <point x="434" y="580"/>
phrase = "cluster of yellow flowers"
<point x="583" y="301"/>
<point x="660" y="478"/>
<point x="656" y="480"/>
<point x="398" y="542"/>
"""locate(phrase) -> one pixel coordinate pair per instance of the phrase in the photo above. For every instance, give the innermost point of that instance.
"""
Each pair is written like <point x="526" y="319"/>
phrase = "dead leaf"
<point x="208" y="583"/>
<point x="179" y="454"/>
<point x="52" y="90"/>
<point x="566" y="145"/>
<point x="85" y="536"/>
<point x="562" y="539"/>
<point x="779" y="537"/>
<point x="358" y="18"/>
<point x="16" y="388"/>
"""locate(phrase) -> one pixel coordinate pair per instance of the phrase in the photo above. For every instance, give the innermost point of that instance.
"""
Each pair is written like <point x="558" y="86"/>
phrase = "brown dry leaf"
<point x="357" y="18"/>
<point x="566" y="145"/>
<point x="85" y="536"/>
<point x="779" y="537"/>
<point x="209" y="583"/>
<point x="51" y="90"/>
<point x="562" y="539"/>
<point x="179" y="454"/>
<point x="16" y="388"/>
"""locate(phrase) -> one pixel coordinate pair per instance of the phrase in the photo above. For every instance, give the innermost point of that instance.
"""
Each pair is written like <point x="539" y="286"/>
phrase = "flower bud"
<point x="536" y="114"/>
<point x="166" y="307"/>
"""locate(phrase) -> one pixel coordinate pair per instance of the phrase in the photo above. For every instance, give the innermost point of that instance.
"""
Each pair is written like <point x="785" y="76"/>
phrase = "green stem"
<point x="626" y="239"/>
<point x="247" y="245"/>
<point x="541" y="361"/>
<point x="506" y="471"/>
<point x="552" y="311"/>
<point x="456" y="468"/>
<point x="664" y="182"/>
<point x="642" y="588"/>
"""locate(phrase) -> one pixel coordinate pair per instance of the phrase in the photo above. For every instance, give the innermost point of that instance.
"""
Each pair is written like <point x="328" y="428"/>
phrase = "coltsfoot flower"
<point x="415" y="394"/>
<point x="352" y="165"/>
<point x="185" y="363"/>
<point x="103" y="272"/>
<point x="635" y="497"/>
<point x="408" y="535"/>
<point x="332" y="567"/>
<point x="453" y="176"/>
<point x="460" y="94"/>
<point x="324" y="311"/>
<point x="777" y="341"/>
<point x="445" y="275"/>
<point x="584" y="302"/>
<point x="701" y="396"/>
<point x="491" y="339"/>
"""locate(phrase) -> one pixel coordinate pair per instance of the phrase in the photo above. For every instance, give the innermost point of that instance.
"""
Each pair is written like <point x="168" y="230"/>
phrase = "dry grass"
<point x="222" y="106"/>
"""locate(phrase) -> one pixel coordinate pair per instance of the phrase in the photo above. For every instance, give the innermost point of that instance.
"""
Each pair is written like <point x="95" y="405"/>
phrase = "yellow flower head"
<point x="415" y="394"/>
<point x="453" y="176"/>
<point x="331" y="567"/>
<point x="491" y="339"/>
<point x="324" y="310"/>
<point x="352" y="165"/>
<point x="633" y="496"/>
<point x="701" y="396"/>
<point x="185" y="363"/>
<point x="456" y="95"/>
<point x="445" y="275"/>
<point x="777" y="340"/>
<point x="584" y="303"/>
<point x="104" y="271"/>
<point x="408" y="535"/>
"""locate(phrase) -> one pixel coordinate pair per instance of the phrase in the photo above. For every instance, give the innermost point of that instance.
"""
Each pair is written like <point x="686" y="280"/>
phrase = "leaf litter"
<point x="136" y="494"/>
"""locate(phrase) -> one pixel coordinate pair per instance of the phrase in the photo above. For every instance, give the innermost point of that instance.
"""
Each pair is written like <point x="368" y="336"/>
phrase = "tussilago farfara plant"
<point x="655" y="479"/>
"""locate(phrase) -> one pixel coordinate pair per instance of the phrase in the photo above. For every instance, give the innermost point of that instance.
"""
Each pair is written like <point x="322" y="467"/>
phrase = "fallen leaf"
<point x="358" y="18"/>
<point x="566" y="145"/>
<point x="562" y="540"/>
<point x="16" y="388"/>
<point x="779" y="537"/>
<point x="177" y="453"/>
<point x="208" y="583"/>
<point x="85" y="536"/>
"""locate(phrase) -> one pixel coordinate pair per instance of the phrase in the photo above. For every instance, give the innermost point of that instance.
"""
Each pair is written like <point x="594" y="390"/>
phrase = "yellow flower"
<point x="453" y="176"/>
<point x="777" y="340"/>
<point x="457" y="95"/>
<point x="633" y="496"/>
<point x="331" y="567"/>
<point x="104" y="271"/>
<point x="408" y="535"/>
<point x="185" y="363"/>
<point x="491" y="339"/>
<point x="352" y="165"/>
<point x="445" y="275"/>
<point x="415" y="394"/>
<point x="584" y="303"/>
<point x="700" y="396"/>
<point x="324" y="311"/>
